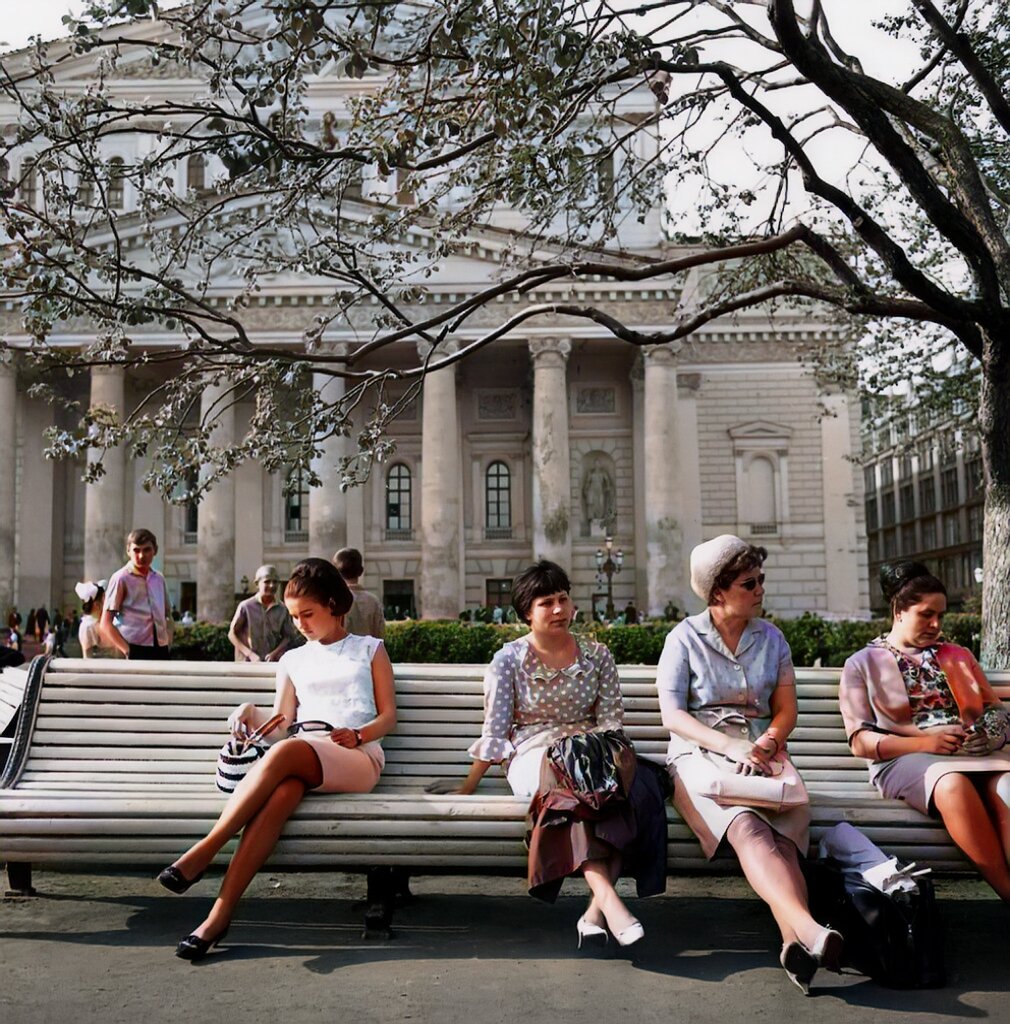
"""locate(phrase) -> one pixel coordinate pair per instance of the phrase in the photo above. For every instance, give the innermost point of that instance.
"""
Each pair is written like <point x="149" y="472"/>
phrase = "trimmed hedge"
<point x="812" y="639"/>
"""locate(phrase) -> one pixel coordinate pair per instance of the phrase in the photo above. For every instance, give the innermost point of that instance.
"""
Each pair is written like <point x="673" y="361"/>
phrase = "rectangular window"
<point x="870" y="478"/>
<point x="951" y="529"/>
<point x="887" y="508"/>
<point x="929" y="533"/>
<point x="890" y="544"/>
<point x="927" y="495"/>
<point x="950" y="492"/>
<point x="905" y="467"/>
<point x="908" y="539"/>
<point x="906" y="499"/>
<point x="498" y="593"/>
<point x="925" y="457"/>
<point x="976" y="522"/>
<point x="398" y="599"/>
<point x="974" y="476"/>
<point x="872" y="522"/>
<point x="886" y="472"/>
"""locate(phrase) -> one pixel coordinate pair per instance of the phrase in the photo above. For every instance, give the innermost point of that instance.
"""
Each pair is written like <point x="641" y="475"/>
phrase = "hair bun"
<point x="894" y="576"/>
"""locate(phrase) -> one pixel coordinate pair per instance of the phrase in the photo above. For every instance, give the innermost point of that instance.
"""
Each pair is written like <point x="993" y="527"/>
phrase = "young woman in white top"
<point x="337" y="678"/>
<point x="92" y="597"/>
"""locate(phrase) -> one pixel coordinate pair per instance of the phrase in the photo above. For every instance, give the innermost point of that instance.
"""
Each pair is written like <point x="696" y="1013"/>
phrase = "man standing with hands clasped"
<point x="135" y="618"/>
<point x="261" y="629"/>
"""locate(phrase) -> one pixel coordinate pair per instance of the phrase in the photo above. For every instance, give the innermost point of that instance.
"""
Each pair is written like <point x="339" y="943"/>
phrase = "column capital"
<point x="550" y="351"/>
<point x="662" y="355"/>
<point x="446" y="347"/>
<point x="108" y="369"/>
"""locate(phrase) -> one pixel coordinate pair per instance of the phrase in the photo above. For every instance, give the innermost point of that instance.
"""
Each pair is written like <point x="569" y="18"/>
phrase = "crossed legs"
<point x="978" y="820"/>
<point x="770" y="863"/>
<point x="606" y="907"/>
<point x="261" y="806"/>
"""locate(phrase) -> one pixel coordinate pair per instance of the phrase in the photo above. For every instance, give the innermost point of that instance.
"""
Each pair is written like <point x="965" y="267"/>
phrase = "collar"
<point x="259" y="600"/>
<point x="532" y="665"/>
<point x="133" y="571"/>
<point x="702" y="625"/>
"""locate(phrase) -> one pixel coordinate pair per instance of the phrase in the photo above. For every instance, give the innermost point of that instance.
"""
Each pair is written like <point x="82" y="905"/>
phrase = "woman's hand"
<point x="750" y="758"/>
<point x="942" y="739"/>
<point x="446" y="786"/>
<point x="344" y="738"/>
<point x="242" y="721"/>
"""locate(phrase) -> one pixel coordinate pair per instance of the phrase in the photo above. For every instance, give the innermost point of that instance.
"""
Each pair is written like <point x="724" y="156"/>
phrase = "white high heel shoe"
<point x="588" y="930"/>
<point x="827" y="949"/>
<point x="630" y="935"/>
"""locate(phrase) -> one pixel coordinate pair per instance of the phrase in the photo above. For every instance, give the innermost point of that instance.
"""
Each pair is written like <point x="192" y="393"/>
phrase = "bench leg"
<point x="401" y="886"/>
<point x="19" y="879"/>
<point x="379" y="904"/>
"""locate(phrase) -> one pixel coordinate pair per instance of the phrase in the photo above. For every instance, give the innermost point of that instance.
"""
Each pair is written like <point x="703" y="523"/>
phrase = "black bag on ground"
<point x="896" y="939"/>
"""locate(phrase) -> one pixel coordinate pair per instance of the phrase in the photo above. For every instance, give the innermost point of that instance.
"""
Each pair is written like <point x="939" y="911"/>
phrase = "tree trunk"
<point x="994" y="427"/>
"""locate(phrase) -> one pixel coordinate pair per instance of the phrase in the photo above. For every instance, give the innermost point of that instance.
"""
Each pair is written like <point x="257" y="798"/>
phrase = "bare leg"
<point x="966" y="817"/>
<point x="290" y="759"/>
<point x="997" y="795"/>
<point x="773" y="871"/>
<point x="593" y="913"/>
<point x="598" y="877"/>
<point x="258" y="840"/>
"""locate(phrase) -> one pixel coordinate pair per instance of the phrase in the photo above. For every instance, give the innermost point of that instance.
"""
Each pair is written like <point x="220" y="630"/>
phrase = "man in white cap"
<point x="261" y="629"/>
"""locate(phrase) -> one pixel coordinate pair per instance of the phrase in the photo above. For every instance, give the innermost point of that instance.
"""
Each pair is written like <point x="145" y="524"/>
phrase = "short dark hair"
<point x="349" y="563"/>
<point x="752" y="557"/>
<point x="540" y="580"/>
<point x="318" y="579"/>
<point x="140" y="538"/>
<point x="906" y="583"/>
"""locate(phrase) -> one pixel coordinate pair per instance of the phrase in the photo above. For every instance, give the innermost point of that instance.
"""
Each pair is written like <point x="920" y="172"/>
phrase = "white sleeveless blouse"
<point x="333" y="682"/>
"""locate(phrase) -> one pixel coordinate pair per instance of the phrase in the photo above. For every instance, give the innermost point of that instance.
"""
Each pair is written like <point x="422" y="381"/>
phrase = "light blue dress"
<point x="698" y="673"/>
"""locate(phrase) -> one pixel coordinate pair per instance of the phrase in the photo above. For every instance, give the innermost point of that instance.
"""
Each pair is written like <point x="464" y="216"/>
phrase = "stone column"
<point x="328" y="503"/>
<point x="8" y="503"/>
<point x="441" y="591"/>
<point x="552" y="475"/>
<point x="104" y="527"/>
<point x="663" y="529"/>
<point x="215" y="534"/>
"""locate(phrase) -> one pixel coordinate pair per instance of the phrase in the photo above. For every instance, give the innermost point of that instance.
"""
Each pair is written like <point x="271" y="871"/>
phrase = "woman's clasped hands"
<point x="751" y="758"/>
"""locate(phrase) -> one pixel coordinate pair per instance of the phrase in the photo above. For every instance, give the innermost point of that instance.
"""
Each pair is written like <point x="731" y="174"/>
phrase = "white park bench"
<point x="112" y="767"/>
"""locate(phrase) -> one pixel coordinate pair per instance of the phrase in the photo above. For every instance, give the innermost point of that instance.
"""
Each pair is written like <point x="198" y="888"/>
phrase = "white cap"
<point x="710" y="558"/>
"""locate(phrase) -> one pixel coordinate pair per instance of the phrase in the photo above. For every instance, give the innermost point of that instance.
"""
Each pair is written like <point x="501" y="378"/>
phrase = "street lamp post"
<point x="608" y="564"/>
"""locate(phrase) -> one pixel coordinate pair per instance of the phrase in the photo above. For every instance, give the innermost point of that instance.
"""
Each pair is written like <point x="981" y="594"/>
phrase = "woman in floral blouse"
<point x="922" y="712"/>
<point x="537" y="690"/>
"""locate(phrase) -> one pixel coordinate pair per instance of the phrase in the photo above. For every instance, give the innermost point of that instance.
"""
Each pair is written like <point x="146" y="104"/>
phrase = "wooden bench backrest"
<point x="121" y="727"/>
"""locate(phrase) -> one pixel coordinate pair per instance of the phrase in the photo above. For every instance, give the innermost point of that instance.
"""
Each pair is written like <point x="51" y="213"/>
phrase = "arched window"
<point x="398" y="488"/>
<point x="29" y="182"/>
<point x="296" y="507"/>
<point x="498" y="502"/>
<point x="761" y="496"/>
<point x="117" y="177"/>
<point x="196" y="174"/>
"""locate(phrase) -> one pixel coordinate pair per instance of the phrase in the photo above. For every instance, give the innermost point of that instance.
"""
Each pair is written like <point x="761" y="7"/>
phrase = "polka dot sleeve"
<point x="495" y="743"/>
<point x="609" y="710"/>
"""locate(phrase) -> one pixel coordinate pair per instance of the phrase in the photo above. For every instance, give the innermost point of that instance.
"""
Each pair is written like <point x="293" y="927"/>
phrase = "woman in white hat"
<point x="727" y="686"/>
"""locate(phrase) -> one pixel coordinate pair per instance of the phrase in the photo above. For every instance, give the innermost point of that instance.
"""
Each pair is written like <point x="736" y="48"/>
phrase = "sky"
<point x="24" y="18"/>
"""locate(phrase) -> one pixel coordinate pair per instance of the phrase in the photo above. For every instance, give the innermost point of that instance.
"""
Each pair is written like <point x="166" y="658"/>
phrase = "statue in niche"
<point x="599" y="497"/>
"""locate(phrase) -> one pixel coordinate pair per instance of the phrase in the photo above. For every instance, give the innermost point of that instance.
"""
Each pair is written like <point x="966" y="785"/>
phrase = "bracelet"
<point x="771" y="736"/>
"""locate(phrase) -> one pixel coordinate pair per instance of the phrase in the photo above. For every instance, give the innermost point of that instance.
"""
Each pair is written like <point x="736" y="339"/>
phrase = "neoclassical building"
<point x="540" y="445"/>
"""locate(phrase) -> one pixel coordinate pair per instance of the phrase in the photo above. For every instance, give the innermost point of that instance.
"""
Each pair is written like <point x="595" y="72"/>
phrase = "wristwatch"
<point x="357" y="737"/>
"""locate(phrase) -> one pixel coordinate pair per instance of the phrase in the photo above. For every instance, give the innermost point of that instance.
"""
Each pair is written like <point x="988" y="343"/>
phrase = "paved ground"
<point x="99" y="948"/>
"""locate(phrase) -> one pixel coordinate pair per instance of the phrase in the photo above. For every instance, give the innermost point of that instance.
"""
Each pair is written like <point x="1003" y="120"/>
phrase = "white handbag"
<point x="236" y="757"/>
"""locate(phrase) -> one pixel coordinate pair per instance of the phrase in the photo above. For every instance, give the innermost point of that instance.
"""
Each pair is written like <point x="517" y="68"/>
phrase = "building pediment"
<point x="760" y="434"/>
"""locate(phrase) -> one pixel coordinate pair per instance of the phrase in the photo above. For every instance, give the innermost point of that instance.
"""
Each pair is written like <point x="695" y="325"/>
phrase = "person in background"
<point x="922" y="712"/>
<point x="30" y="624"/>
<point x="630" y="614"/>
<point x="41" y="622"/>
<point x="138" y="598"/>
<point x="92" y="597"/>
<point x="261" y="629"/>
<point x="365" y="617"/>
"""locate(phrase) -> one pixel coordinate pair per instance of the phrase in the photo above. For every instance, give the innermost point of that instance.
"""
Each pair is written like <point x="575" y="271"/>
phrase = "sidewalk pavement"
<point x="99" y="948"/>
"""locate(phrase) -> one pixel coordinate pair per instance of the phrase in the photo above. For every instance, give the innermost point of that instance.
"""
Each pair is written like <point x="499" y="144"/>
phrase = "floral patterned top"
<point x="929" y="694"/>
<point x="527" y="704"/>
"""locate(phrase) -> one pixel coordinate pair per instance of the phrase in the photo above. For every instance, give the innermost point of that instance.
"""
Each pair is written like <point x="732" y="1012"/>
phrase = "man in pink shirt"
<point x="135" y="619"/>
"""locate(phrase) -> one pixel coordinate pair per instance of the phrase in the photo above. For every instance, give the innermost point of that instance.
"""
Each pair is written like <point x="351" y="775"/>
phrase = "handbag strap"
<point x="263" y="731"/>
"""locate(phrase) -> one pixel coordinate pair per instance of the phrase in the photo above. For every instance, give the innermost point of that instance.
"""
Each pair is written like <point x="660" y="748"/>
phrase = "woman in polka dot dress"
<point x="537" y="690"/>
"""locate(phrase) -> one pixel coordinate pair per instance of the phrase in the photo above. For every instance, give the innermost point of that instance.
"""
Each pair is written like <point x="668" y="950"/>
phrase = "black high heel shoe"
<point x="175" y="881"/>
<point x="193" y="948"/>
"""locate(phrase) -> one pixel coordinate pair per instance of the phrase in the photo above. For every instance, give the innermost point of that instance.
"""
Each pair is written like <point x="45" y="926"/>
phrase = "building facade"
<point x="540" y="446"/>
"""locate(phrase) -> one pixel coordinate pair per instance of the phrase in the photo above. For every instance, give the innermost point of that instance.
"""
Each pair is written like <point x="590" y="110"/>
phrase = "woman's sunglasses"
<point x="754" y="582"/>
<point x="313" y="725"/>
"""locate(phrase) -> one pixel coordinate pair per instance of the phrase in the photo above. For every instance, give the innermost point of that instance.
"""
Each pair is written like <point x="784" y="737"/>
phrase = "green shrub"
<point x="811" y="638"/>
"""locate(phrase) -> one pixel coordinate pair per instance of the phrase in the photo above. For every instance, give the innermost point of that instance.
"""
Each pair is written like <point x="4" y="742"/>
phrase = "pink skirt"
<point x="345" y="769"/>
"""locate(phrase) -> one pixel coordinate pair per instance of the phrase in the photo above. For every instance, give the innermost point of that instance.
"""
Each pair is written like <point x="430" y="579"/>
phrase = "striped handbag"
<point x="238" y="756"/>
